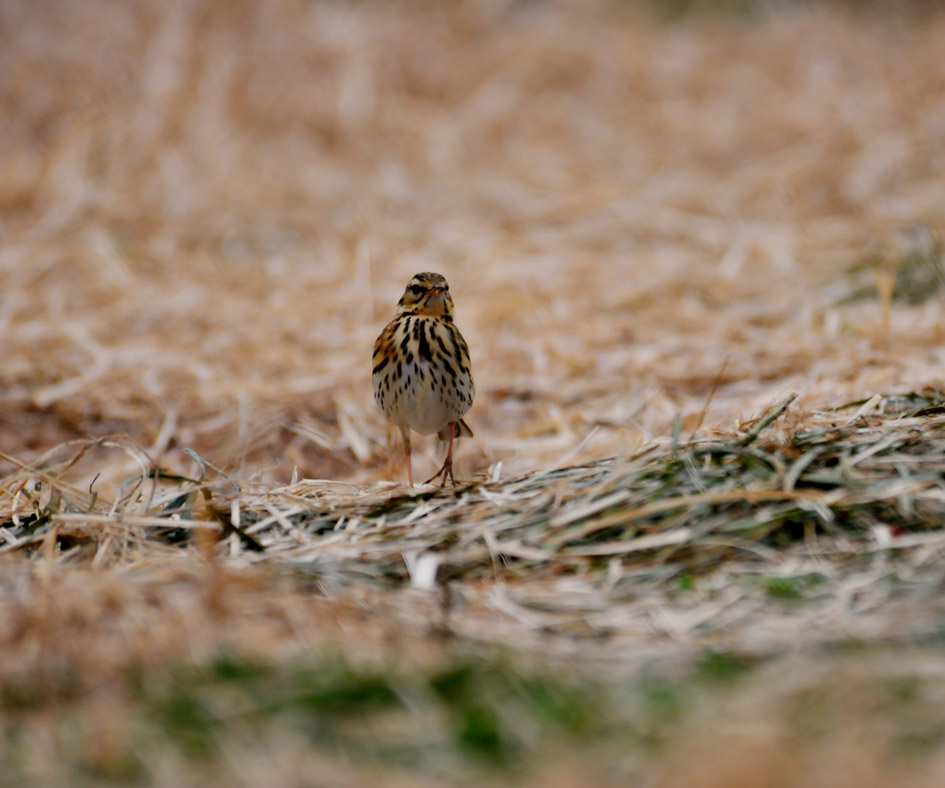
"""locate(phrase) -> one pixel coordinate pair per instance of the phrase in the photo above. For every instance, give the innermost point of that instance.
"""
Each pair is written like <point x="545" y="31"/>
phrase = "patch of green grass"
<point x="480" y="718"/>
<point x="685" y="581"/>
<point x="490" y="703"/>
<point x="479" y="733"/>
<point x="484" y="709"/>
<point x="571" y="708"/>
<point x="455" y="684"/>
<point x="724" y="667"/>
<point x="343" y="691"/>
<point x="793" y="587"/>
<point x="186" y="719"/>
<point x="195" y="705"/>
<point x="489" y="712"/>
<point x="783" y="587"/>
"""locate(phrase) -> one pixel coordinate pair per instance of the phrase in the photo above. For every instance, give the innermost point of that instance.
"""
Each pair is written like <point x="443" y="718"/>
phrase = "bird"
<point x="422" y="374"/>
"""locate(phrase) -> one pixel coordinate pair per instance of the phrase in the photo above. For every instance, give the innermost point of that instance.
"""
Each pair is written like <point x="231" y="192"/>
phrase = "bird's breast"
<point x="422" y="376"/>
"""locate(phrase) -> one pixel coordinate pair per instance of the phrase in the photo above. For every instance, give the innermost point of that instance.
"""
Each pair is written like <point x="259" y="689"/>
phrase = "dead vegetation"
<point x="699" y="265"/>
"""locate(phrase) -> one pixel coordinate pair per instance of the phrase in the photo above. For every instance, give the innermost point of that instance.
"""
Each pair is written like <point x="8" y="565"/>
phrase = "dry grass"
<point x="654" y="234"/>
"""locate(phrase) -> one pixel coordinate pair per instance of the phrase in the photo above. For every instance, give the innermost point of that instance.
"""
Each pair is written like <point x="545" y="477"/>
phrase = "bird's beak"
<point x="437" y="289"/>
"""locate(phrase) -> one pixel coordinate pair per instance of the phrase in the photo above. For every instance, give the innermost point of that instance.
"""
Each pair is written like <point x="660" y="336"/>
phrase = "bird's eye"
<point x="416" y="290"/>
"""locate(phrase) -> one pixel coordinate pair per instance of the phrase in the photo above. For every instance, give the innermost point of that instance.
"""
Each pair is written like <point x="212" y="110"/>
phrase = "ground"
<point x="696" y="250"/>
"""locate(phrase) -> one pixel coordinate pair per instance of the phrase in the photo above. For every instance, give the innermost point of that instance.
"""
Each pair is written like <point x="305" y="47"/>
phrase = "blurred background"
<point x="209" y="208"/>
<point x="647" y="211"/>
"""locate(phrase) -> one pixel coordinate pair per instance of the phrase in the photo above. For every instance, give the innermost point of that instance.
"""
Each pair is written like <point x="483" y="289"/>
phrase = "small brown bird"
<point x="422" y="376"/>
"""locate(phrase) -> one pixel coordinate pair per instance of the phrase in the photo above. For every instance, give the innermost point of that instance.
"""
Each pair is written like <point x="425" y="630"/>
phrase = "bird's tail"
<point x="462" y="431"/>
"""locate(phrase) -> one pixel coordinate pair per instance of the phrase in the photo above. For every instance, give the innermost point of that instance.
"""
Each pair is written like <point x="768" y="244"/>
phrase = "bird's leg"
<point x="447" y="468"/>
<point x="405" y="431"/>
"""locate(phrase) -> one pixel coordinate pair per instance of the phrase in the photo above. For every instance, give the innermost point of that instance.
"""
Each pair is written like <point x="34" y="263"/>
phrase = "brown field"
<point x="655" y="230"/>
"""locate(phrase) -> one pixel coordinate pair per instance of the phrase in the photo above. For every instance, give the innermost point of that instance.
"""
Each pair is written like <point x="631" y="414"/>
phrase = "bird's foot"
<point x="445" y="470"/>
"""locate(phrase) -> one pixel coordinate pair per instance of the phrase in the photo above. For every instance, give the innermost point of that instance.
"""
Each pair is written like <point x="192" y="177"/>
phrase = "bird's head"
<point x="426" y="294"/>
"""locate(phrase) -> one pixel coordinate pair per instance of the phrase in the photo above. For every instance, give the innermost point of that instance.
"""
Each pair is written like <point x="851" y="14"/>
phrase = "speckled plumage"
<point x="422" y="376"/>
